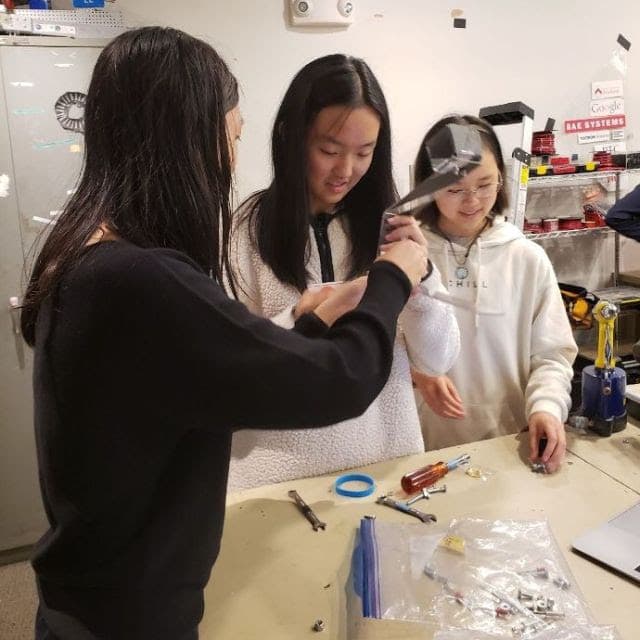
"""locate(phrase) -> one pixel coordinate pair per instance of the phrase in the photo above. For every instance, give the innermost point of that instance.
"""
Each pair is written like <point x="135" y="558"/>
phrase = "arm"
<point x="553" y="350"/>
<point x="624" y="215"/>
<point x="233" y="368"/>
<point x="429" y="325"/>
<point x="430" y="329"/>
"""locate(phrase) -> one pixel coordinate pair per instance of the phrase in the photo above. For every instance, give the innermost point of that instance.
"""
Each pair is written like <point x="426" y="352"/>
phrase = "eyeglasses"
<point x="482" y="193"/>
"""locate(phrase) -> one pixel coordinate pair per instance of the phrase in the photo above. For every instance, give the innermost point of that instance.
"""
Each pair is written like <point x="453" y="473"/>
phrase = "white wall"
<point x="545" y="53"/>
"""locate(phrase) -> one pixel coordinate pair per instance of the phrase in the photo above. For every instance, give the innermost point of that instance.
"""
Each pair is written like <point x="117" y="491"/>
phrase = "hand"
<point x="440" y="394"/>
<point x="545" y="425"/>
<point x="403" y="228"/>
<point x="409" y="256"/>
<point x="311" y="299"/>
<point x="342" y="298"/>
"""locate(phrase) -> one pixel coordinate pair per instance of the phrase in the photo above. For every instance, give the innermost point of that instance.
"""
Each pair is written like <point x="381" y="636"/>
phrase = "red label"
<point x="594" y="124"/>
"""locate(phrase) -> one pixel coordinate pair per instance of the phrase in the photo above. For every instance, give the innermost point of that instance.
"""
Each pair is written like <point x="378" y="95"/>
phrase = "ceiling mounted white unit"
<point x="322" y="13"/>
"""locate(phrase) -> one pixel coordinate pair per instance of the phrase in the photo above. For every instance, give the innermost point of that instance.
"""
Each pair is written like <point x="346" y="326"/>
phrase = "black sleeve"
<point x="310" y="325"/>
<point x="230" y="368"/>
<point x="624" y="215"/>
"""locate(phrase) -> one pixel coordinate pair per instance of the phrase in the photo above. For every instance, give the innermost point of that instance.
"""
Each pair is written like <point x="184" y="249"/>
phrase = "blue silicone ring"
<point x="355" y="493"/>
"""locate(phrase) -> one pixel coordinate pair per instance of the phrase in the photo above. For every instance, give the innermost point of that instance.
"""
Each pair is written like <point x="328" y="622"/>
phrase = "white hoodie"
<point x="427" y="340"/>
<point x="517" y="346"/>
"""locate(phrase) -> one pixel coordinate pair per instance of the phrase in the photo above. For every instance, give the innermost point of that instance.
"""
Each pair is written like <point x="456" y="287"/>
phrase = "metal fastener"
<point x="426" y="494"/>
<point x="307" y="512"/>
<point x="318" y="625"/>
<point x="561" y="582"/>
<point x="538" y="572"/>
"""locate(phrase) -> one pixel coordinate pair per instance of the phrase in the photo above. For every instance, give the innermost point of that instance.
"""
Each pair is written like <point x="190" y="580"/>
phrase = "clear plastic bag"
<point x="574" y="633"/>
<point x="501" y="578"/>
<point x="387" y="576"/>
<point x="506" y="577"/>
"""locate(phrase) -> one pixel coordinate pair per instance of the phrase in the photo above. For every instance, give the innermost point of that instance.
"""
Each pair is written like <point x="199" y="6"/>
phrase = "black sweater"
<point x="143" y="368"/>
<point x="624" y="215"/>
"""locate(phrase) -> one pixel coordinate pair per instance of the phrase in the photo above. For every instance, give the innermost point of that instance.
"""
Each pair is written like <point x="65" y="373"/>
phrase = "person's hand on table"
<point x="545" y="425"/>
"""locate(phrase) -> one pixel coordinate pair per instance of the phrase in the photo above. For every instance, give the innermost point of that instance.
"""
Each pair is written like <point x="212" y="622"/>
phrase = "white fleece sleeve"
<point x="257" y="286"/>
<point x="430" y="329"/>
<point x="285" y="318"/>
<point x="553" y="351"/>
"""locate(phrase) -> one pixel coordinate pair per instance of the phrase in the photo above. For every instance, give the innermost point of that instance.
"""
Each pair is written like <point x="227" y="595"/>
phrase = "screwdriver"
<point x="426" y="476"/>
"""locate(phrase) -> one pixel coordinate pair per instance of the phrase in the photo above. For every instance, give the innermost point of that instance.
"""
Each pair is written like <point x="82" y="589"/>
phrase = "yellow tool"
<point x="604" y="384"/>
<point x="605" y="313"/>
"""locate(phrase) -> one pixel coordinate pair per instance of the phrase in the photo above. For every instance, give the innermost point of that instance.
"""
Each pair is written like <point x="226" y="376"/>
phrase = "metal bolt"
<point x="423" y="494"/>
<point x="431" y="572"/>
<point x="318" y="625"/>
<point x="522" y="595"/>
<point x="538" y="572"/>
<point x="543" y="603"/>
<point x="426" y="494"/>
<point x="538" y="467"/>
<point x="503" y="609"/>
<point x="442" y="489"/>
<point x="549" y="614"/>
<point x="561" y="582"/>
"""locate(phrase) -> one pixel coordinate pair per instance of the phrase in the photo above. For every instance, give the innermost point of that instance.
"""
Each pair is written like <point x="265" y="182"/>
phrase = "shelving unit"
<point x="572" y="179"/>
<point x="600" y="244"/>
<point x="569" y="233"/>
<point x="576" y="180"/>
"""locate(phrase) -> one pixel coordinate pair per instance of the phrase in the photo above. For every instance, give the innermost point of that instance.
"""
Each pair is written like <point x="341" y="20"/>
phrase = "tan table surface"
<point x="618" y="456"/>
<point x="275" y="576"/>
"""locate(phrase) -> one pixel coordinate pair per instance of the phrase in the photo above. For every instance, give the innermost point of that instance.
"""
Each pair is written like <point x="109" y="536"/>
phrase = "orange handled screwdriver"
<point x="426" y="476"/>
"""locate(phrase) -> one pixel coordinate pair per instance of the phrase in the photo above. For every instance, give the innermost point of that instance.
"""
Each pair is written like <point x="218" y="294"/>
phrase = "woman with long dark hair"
<point x="318" y="222"/>
<point x="143" y="364"/>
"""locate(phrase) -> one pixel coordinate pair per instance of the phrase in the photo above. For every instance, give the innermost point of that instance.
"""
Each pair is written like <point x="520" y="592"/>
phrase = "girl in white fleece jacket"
<point x="517" y="350"/>
<point x="318" y="222"/>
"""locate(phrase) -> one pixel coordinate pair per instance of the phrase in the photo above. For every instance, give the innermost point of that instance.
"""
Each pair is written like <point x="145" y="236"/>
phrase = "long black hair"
<point x="157" y="166"/>
<point x="422" y="166"/>
<point x="279" y="216"/>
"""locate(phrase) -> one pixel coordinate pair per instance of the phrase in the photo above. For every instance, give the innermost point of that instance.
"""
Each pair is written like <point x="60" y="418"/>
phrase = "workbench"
<point x="275" y="575"/>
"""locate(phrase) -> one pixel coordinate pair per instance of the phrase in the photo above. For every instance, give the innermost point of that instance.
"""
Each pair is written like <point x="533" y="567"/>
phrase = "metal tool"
<point x="603" y="384"/>
<point x="538" y="572"/>
<point x="426" y="494"/>
<point x="426" y="476"/>
<point x="307" y="511"/>
<point x="453" y="152"/>
<point x="427" y="518"/>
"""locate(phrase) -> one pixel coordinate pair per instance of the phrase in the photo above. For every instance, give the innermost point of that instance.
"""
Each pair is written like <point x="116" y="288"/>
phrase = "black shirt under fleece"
<point x="143" y="368"/>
